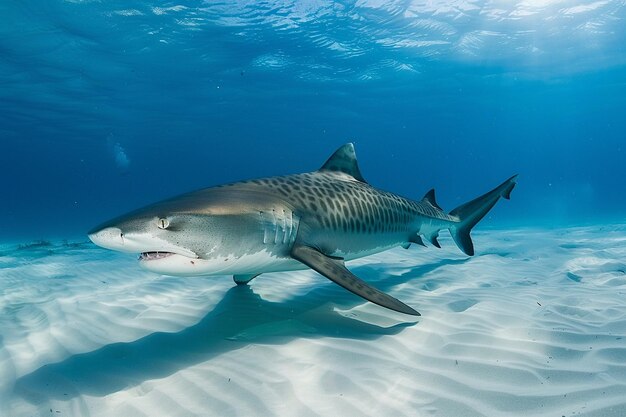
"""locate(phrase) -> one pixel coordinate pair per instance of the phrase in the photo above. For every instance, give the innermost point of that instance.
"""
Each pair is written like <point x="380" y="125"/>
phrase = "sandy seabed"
<point x="533" y="325"/>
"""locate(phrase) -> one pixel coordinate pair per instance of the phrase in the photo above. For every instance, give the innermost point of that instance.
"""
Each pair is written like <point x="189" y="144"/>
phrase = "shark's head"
<point x="161" y="240"/>
<point x="173" y="237"/>
<point x="205" y="232"/>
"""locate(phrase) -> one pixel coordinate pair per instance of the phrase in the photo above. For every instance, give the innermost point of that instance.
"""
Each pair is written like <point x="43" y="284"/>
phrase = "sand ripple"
<point x="535" y="324"/>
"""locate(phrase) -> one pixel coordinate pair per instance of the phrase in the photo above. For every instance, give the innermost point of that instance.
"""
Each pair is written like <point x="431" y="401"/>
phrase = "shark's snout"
<point x="109" y="237"/>
<point x="150" y="246"/>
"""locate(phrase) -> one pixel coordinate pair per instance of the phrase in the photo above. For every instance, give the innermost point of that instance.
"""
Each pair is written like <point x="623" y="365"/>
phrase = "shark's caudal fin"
<point x="470" y="213"/>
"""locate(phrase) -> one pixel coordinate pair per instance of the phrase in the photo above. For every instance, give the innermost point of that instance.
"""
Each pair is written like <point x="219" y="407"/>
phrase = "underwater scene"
<point x="313" y="208"/>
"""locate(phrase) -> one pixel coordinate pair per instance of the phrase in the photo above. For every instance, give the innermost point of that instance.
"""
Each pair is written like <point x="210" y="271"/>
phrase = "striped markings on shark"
<point x="313" y="220"/>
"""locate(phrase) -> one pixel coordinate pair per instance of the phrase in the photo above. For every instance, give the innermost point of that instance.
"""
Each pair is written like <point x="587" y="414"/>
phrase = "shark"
<point x="317" y="220"/>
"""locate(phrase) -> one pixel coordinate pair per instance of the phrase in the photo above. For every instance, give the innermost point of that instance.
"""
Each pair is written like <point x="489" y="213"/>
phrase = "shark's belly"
<point x="253" y="263"/>
<point x="354" y="245"/>
<point x="272" y="260"/>
<point x="272" y="257"/>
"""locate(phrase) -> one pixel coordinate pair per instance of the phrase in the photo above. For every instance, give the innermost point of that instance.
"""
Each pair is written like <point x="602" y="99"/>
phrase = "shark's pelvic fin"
<point x="433" y="239"/>
<point x="335" y="270"/>
<point x="344" y="160"/>
<point x="243" y="279"/>
<point x="430" y="198"/>
<point x="415" y="238"/>
<point x="472" y="212"/>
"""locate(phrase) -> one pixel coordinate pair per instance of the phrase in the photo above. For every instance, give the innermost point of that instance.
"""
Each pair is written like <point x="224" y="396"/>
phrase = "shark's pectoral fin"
<point x="243" y="279"/>
<point x="335" y="270"/>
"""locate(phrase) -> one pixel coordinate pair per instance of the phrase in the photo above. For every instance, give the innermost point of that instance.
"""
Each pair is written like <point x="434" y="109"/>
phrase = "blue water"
<point x="107" y="106"/>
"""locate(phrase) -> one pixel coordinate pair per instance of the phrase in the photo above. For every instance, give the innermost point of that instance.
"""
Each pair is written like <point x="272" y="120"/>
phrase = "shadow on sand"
<point x="241" y="318"/>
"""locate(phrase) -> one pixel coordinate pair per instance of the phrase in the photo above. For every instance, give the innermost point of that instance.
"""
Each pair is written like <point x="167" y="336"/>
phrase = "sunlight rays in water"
<point x="436" y="30"/>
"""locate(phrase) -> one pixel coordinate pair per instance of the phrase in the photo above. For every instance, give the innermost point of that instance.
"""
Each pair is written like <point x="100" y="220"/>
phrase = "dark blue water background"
<point x="107" y="106"/>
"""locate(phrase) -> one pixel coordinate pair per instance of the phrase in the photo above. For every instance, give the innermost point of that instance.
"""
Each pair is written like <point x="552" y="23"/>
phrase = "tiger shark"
<point x="314" y="220"/>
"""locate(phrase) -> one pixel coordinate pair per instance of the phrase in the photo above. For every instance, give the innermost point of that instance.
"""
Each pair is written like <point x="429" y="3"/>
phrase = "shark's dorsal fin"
<point x="430" y="198"/>
<point x="344" y="160"/>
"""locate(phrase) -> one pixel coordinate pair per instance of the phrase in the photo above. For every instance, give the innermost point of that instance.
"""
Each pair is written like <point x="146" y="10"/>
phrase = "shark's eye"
<point x="163" y="223"/>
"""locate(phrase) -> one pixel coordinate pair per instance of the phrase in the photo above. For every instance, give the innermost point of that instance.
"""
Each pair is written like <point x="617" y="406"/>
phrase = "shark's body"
<point x="316" y="219"/>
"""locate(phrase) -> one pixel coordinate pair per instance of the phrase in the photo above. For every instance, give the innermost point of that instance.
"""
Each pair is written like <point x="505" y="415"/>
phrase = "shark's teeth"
<point x="149" y="256"/>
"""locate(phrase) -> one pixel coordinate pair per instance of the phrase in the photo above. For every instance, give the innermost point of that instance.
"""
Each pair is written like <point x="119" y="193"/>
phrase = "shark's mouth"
<point x="171" y="263"/>
<point x="151" y="256"/>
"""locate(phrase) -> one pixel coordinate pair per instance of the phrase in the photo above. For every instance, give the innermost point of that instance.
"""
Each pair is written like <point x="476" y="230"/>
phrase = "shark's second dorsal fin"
<point x="344" y="160"/>
<point x="430" y="197"/>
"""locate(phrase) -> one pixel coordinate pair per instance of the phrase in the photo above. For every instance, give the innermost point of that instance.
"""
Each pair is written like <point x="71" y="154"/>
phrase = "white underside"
<point x="257" y="263"/>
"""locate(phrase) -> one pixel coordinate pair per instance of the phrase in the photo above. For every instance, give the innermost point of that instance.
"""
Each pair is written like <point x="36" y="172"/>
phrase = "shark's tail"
<point x="470" y="213"/>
